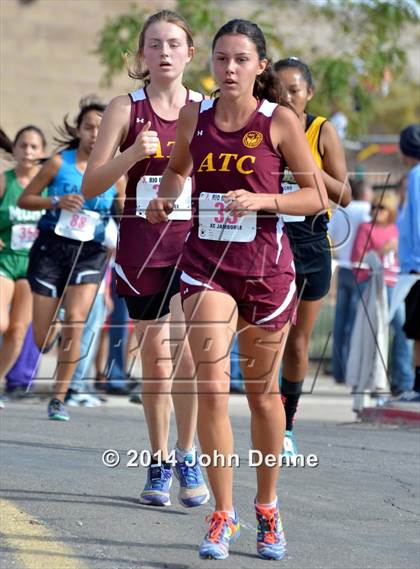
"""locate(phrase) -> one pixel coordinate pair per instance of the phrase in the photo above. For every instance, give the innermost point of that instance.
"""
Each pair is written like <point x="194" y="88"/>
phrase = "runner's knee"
<point x="16" y="333"/>
<point x="261" y="404"/>
<point x="42" y="336"/>
<point x="297" y="347"/>
<point x="213" y="401"/>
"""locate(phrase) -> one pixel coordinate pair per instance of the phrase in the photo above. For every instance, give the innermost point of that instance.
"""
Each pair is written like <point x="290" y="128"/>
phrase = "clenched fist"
<point x="71" y="202"/>
<point x="159" y="209"/>
<point x="146" y="143"/>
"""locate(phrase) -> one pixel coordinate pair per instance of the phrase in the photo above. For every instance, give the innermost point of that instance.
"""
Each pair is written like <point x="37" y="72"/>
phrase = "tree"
<point x="119" y="36"/>
<point x="355" y="79"/>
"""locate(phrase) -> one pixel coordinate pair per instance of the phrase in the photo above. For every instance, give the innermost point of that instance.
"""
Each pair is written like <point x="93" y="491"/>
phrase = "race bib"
<point x="23" y="236"/>
<point x="287" y="189"/>
<point x="77" y="225"/>
<point x="217" y="224"/>
<point x="147" y="190"/>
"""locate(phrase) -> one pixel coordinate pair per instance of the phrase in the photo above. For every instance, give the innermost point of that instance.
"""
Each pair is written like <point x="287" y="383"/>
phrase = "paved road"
<point x="63" y="509"/>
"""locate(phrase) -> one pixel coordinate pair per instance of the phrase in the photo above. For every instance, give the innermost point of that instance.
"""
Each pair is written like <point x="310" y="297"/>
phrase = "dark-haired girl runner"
<point x="17" y="234"/>
<point x="67" y="256"/>
<point x="143" y="125"/>
<point x="237" y="264"/>
<point x="308" y="235"/>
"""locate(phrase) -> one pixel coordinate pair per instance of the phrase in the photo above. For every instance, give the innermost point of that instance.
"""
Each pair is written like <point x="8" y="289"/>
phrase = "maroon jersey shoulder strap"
<point x="136" y="98"/>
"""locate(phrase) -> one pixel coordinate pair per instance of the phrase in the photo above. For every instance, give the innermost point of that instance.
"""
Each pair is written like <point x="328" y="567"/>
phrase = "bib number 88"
<point x="78" y="221"/>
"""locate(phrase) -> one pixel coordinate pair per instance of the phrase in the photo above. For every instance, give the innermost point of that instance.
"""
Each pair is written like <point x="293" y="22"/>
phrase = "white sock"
<point x="271" y="505"/>
<point x="230" y="513"/>
<point x="182" y="454"/>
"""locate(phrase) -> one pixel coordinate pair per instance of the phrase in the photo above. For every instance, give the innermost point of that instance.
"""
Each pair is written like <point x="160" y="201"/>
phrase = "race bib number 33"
<point x="147" y="190"/>
<point x="217" y="224"/>
<point x="77" y="225"/>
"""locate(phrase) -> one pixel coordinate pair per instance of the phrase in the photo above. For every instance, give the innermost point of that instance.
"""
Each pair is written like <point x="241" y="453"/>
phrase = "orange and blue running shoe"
<point x="222" y="529"/>
<point x="271" y="542"/>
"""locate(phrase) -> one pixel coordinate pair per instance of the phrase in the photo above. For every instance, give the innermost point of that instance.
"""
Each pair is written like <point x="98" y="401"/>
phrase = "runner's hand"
<point x="159" y="209"/>
<point x="146" y="143"/>
<point x="1" y="244"/>
<point x="71" y="202"/>
<point x="242" y="202"/>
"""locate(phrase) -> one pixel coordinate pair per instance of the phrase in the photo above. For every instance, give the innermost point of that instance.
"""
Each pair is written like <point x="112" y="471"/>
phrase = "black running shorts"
<point x="313" y="268"/>
<point x="56" y="261"/>
<point x="153" y="306"/>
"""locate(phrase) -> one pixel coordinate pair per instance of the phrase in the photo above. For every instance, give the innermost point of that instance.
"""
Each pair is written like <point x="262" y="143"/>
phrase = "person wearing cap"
<point x="409" y="246"/>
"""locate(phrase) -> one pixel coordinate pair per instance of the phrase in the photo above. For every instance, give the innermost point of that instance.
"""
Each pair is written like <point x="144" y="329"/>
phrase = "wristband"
<point x="55" y="201"/>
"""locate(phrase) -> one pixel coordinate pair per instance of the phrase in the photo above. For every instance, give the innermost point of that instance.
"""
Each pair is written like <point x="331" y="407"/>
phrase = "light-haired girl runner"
<point x="143" y="125"/>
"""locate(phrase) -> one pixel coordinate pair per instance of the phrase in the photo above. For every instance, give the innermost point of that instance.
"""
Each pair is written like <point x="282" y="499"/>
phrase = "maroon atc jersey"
<point x="225" y="161"/>
<point x="141" y="244"/>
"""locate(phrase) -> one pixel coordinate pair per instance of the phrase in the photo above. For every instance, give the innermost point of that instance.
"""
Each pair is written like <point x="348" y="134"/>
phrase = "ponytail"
<point x="67" y="138"/>
<point x="267" y="86"/>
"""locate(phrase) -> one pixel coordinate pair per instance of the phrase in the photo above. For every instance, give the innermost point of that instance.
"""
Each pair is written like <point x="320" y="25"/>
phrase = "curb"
<point x="391" y="416"/>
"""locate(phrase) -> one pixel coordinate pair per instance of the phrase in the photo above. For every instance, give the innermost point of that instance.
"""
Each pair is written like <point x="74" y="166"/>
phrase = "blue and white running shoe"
<point x="193" y="491"/>
<point x="158" y="484"/>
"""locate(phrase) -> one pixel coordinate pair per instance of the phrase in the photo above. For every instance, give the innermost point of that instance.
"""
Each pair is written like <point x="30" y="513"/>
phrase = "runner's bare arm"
<point x="335" y="167"/>
<point x="179" y="167"/>
<point x="104" y="168"/>
<point x="180" y="162"/>
<point x="120" y="197"/>
<point x="31" y="198"/>
<point x="287" y="135"/>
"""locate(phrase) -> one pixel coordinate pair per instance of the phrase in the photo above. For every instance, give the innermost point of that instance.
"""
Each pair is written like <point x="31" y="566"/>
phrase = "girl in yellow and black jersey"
<point x="308" y="235"/>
